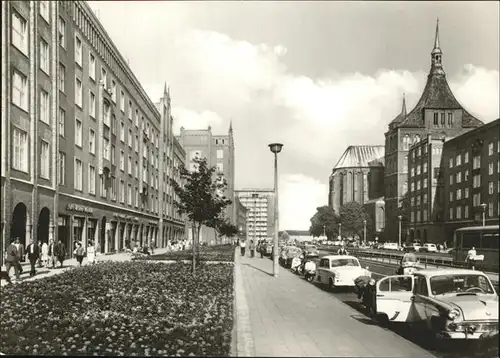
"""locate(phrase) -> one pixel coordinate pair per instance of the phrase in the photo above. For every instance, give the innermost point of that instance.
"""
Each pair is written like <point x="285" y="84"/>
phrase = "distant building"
<point x="260" y="218"/>
<point x="437" y="113"/>
<point x="179" y="221"/>
<point x="349" y="179"/>
<point x="219" y="152"/>
<point x="375" y="206"/>
<point x="241" y="218"/>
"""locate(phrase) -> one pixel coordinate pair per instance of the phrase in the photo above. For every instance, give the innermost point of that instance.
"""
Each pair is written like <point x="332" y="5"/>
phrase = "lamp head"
<point x="400" y="217"/>
<point x="275" y="147"/>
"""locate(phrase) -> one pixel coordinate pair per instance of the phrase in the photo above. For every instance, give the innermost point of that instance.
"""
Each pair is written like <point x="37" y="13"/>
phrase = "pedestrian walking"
<point x="79" y="253"/>
<point x="44" y="257"/>
<point x="20" y="251"/>
<point x="60" y="252"/>
<point x="12" y="259"/>
<point x="91" y="253"/>
<point x="252" y="248"/>
<point x="40" y="251"/>
<point x="243" y="245"/>
<point x="97" y="250"/>
<point x="52" y="255"/>
<point x="33" y="253"/>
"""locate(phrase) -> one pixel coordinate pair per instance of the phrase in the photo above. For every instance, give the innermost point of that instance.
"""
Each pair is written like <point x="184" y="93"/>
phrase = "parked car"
<point x="339" y="271"/>
<point x="311" y="251"/>
<point x="413" y="246"/>
<point x="428" y="248"/>
<point x="390" y="246"/>
<point x="451" y="303"/>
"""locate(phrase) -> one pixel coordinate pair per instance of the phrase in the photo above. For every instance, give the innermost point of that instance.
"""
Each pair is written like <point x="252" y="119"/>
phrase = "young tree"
<point x="351" y="216"/>
<point x="224" y="227"/>
<point x="325" y="220"/>
<point x="201" y="198"/>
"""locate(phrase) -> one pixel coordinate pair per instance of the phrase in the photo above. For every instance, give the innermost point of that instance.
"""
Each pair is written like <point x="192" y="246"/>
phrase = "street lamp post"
<point x="340" y="231"/>
<point x="364" y="231"/>
<point x="276" y="148"/>
<point x="483" y="205"/>
<point x="399" y="231"/>
<point x="324" y="231"/>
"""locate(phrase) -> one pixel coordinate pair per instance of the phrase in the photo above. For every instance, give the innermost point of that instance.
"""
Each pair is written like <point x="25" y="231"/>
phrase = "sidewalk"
<point x="287" y="316"/>
<point x="42" y="272"/>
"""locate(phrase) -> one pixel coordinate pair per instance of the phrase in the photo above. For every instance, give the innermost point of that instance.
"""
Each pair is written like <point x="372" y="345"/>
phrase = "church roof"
<point x="359" y="156"/>
<point x="437" y="94"/>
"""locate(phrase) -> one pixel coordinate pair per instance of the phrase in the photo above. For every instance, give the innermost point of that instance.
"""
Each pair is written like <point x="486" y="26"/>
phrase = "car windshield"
<point x="444" y="284"/>
<point x="344" y="262"/>
<point x="409" y="258"/>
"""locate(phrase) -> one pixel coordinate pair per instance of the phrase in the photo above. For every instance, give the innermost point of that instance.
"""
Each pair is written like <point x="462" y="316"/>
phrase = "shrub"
<point x="121" y="308"/>
<point x="222" y="253"/>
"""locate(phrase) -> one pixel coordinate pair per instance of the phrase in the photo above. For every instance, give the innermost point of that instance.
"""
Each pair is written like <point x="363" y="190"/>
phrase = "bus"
<point x="484" y="239"/>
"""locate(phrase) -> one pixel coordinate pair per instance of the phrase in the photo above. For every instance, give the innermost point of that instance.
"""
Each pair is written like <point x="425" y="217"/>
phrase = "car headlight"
<point x="337" y="276"/>
<point x="453" y="314"/>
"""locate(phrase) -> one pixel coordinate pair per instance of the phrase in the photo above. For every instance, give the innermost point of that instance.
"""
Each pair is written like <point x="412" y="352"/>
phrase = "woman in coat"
<point x="45" y="254"/>
<point x="91" y="253"/>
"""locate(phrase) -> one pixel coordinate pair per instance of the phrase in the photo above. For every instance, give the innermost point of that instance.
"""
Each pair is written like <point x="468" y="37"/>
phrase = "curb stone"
<point x="245" y="346"/>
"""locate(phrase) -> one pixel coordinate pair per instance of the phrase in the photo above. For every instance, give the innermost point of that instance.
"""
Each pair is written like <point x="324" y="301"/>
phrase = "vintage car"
<point x="311" y="251"/>
<point x="409" y="264"/>
<point x="339" y="271"/>
<point x="451" y="303"/>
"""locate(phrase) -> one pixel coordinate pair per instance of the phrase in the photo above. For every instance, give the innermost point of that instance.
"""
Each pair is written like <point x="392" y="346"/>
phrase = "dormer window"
<point x="450" y="119"/>
<point x="436" y="119"/>
<point x="443" y="120"/>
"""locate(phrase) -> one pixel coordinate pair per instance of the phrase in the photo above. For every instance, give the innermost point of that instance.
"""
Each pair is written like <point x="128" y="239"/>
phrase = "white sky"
<point x="316" y="76"/>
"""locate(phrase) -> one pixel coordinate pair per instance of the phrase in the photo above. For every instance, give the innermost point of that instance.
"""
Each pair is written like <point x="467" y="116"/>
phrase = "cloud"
<point x="215" y="78"/>
<point x="299" y="194"/>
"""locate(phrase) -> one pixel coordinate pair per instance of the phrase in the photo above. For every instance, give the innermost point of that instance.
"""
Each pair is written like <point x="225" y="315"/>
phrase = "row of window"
<point x="460" y="212"/>
<point x="457" y="160"/>
<point x="443" y="123"/>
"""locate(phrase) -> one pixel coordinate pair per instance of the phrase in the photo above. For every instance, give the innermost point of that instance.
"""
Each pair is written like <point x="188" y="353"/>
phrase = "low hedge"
<point x="221" y="253"/>
<point x="121" y="308"/>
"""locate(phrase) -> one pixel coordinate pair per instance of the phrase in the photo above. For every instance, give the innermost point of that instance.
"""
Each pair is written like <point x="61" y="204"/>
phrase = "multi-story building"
<point x="241" y="218"/>
<point x="426" y="190"/>
<point x="180" y="231"/>
<point x="454" y="183"/>
<point x="471" y="168"/>
<point x="219" y="152"/>
<point x="260" y="217"/>
<point x="349" y="178"/>
<point x="437" y="113"/>
<point x="83" y="147"/>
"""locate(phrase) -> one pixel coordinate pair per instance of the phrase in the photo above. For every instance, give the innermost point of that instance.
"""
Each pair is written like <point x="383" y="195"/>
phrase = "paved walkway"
<point x="68" y="265"/>
<point x="287" y="316"/>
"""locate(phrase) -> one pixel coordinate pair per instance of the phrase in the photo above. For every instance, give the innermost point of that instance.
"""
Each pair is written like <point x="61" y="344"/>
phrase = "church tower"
<point x="438" y="113"/>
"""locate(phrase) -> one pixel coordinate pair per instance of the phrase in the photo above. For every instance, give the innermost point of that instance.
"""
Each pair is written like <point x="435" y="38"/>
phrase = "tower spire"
<point x="403" y="108"/>
<point x="231" y="126"/>
<point x="436" y="55"/>
<point x="436" y="38"/>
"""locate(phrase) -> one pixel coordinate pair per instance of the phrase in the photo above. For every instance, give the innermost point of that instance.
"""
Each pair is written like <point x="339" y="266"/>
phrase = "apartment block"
<point x="86" y="155"/>
<point x="260" y="217"/>
<point x="219" y="152"/>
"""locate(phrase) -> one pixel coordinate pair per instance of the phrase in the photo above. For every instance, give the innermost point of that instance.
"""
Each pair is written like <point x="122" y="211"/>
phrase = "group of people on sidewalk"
<point x="47" y="255"/>
<point x="260" y="247"/>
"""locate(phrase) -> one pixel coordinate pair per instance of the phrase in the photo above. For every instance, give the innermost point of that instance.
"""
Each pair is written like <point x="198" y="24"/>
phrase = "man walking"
<point x="33" y="253"/>
<point x="60" y="252"/>
<point x="243" y="246"/>
<point x="51" y="255"/>
<point x="20" y="253"/>
<point x="12" y="259"/>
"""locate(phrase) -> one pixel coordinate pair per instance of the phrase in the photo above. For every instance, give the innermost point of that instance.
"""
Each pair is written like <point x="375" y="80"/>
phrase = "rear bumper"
<point x="344" y="282"/>
<point x="463" y="335"/>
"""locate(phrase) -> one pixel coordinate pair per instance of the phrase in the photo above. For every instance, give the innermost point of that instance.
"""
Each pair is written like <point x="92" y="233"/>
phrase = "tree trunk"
<point x="194" y="247"/>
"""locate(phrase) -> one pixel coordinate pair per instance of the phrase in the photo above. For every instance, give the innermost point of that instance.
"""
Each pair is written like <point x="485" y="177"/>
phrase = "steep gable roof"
<point x="359" y="156"/>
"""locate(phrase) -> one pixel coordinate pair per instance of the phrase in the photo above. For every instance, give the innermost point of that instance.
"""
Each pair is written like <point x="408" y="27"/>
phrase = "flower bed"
<point x="222" y="253"/>
<point x="121" y="308"/>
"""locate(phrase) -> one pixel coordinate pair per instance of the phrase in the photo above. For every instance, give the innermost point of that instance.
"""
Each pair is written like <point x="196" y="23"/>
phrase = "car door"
<point x="320" y="274"/>
<point x="393" y="297"/>
<point x="418" y="311"/>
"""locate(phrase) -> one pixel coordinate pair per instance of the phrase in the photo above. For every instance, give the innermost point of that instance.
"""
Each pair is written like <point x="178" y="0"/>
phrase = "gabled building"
<point x="437" y="113"/>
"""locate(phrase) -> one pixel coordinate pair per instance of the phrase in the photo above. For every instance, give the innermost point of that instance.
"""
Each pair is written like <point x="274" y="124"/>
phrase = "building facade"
<point x="375" y="206"/>
<point x="241" y="218"/>
<point x="426" y="192"/>
<point x="437" y="113"/>
<point x="83" y="146"/>
<point x="260" y="217"/>
<point x="219" y="152"/>
<point x="349" y="179"/>
<point x="471" y="168"/>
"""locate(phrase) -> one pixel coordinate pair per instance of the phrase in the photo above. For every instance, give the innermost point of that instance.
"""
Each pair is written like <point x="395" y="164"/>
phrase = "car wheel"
<point x="331" y="285"/>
